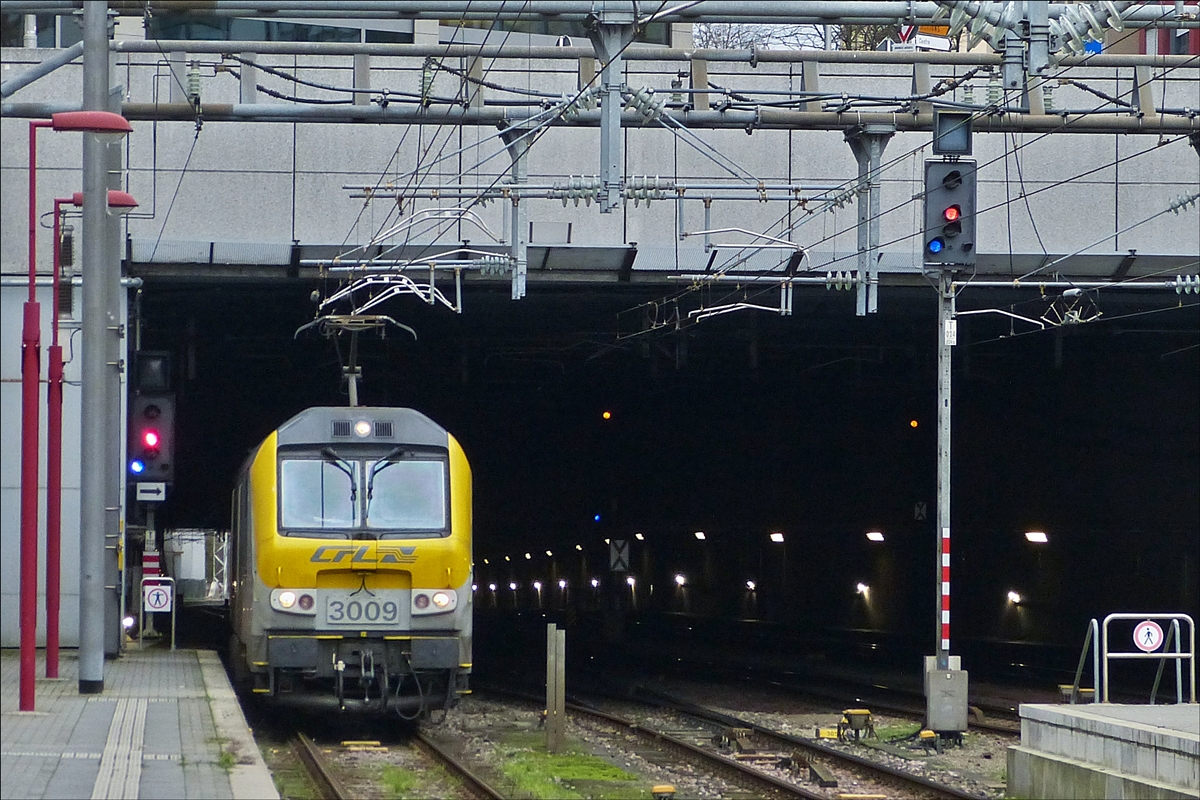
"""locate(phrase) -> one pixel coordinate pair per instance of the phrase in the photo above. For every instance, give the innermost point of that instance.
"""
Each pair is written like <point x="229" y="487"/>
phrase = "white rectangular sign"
<point x="157" y="597"/>
<point x="152" y="492"/>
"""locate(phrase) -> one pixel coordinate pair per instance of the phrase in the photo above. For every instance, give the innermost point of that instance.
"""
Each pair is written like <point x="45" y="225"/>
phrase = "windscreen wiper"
<point x="379" y="467"/>
<point x="333" y="458"/>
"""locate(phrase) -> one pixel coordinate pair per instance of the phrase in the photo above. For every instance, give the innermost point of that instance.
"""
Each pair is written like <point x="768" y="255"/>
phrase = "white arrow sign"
<point x="152" y="492"/>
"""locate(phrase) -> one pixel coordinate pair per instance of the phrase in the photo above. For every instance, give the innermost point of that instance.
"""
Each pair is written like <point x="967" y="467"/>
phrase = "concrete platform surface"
<point x="167" y="725"/>
<point x="1107" y="751"/>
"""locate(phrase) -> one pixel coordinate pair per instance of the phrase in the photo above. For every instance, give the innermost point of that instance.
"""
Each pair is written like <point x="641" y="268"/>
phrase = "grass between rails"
<point x="572" y="775"/>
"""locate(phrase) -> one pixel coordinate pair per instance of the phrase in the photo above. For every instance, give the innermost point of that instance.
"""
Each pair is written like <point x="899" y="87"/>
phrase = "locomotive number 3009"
<point x="355" y="611"/>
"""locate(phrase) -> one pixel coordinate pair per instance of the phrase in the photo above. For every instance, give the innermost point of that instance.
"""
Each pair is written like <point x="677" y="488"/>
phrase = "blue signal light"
<point x="137" y="467"/>
<point x="596" y="518"/>
<point x="936" y="245"/>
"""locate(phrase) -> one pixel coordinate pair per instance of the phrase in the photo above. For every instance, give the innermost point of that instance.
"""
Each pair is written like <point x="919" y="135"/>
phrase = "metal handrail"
<point x="1173" y="633"/>
<point x="1093" y="633"/>
<point x="1178" y="655"/>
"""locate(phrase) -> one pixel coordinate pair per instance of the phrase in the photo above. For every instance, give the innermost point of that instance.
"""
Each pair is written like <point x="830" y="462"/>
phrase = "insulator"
<point x="1187" y="284"/>
<point x="969" y="94"/>
<point x="193" y="81"/>
<point x="66" y="248"/>
<point x="426" y="81"/>
<point x="995" y="89"/>
<point x="1048" y="96"/>
<point x="1182" y="202"/>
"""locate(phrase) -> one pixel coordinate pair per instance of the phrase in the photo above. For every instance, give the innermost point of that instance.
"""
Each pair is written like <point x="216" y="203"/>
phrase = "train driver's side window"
<point x="318" y="494"/>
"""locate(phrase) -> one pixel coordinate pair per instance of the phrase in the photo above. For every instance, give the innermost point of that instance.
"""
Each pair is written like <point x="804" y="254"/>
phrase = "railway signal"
<point x="151" y="437"/>
<point x="949" y="233"/>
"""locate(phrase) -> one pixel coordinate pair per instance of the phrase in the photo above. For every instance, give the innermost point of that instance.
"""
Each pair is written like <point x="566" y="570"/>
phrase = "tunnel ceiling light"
<point x="513" y="586"/>
<point x="700" y="535"/>
<point x="640" y="537"/>
<point x="875" y="536"/>
<point x="630" y="580"/>
<point x="529" y="556"/>
<point x="595" y="582"/>
<point x="777" y="537"/>
<point x="492" y="587"/>
<point x="562" y="583"/>
<point x="680" y="579"/>
<point x="1037" y="537"/>
<point x="579" y="547"/>
<point x="550" y="554"/>
<point x="751" y="585"/>
<point x="1014" y="597"/>
<point x="862" y="588"/>
<point x="537" y="585"/>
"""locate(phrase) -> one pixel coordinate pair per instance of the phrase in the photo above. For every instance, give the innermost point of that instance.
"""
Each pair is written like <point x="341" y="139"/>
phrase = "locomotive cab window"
<point x="346" y="494"/>
<point x="319" y="494"/>
<point x="406" y="495"/>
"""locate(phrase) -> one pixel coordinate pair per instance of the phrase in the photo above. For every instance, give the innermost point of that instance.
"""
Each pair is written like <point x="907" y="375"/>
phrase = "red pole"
<point x="54" y="394"/>
<point x="31" y="344"/>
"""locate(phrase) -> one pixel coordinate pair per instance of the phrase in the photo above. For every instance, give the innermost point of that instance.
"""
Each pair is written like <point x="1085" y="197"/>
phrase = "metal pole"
<point x="54" y="396"/>
<point x="947" y="335"/>
<point x="114" y="340"/>
<point x="94" y="421"/>
<point x="31" y="344"/>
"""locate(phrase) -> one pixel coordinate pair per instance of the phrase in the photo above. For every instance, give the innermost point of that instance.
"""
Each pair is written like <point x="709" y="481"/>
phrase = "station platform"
<point x="1107" y="751"/>
<point x="167" y="725"/>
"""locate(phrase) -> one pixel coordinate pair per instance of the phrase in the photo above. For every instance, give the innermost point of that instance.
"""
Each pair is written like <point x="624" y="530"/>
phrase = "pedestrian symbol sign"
<point x="618" y="555"/>
<point x="1148" y="635"/>
<point x="157" y="596"/>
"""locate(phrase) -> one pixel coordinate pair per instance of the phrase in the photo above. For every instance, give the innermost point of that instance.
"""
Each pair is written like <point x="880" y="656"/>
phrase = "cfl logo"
<point x="337" y="554"/>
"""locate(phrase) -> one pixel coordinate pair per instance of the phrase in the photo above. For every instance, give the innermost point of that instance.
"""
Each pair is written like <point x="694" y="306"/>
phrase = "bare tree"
<point x="865" y="37"/>
<point x="737" y="36"/>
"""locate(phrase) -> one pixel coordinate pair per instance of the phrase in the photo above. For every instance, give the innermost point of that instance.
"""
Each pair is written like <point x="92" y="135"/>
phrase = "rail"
<point x="326" y="784"/>
<point x="476" y="785"/>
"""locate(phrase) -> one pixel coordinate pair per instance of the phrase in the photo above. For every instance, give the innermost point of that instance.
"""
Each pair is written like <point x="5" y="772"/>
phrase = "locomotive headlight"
<point x="426" y="602"/>
<point x="293" y="602"/>
<point x="362" y="428"/>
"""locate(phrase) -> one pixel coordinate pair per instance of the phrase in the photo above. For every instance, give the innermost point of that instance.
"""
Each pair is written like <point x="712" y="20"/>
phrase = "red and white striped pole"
<point x="945" y="606"/>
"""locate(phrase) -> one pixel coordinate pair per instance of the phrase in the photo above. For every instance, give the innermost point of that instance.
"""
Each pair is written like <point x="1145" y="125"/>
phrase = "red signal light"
<point x="952" y="214"/>
<point x="150" y="438"/>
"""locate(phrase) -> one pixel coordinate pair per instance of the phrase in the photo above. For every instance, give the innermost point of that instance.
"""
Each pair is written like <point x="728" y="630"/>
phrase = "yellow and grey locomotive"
<point x="352" y="532"/>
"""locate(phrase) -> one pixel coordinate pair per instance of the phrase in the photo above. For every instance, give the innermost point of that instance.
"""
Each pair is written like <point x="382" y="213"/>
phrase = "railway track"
<point x="778" y="740"/>
<point x="475" y="785"/>
<point x="328" y="786"/>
